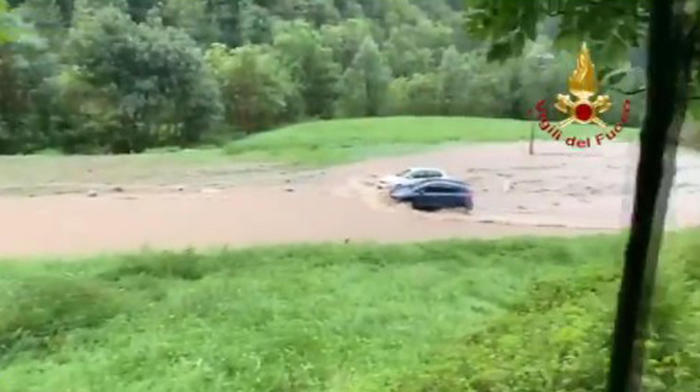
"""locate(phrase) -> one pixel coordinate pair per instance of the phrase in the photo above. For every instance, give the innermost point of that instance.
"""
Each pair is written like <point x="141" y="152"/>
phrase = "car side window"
<point x="441" y="189"/>
<point x="427" y="174"/>
<point x="446" y="189"/>
<point x="437" y="189"/>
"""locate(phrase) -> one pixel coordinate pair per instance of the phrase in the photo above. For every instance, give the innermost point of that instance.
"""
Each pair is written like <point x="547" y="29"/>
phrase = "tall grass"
<point x="558" y="339"/>
<point x="449" y="315"/>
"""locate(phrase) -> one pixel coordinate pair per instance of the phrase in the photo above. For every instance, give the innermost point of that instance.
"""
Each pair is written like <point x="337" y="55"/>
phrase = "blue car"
<point x="435" y="195"/>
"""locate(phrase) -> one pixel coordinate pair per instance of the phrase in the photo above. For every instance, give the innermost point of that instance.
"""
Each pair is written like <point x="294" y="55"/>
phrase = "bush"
<point x="560" y="338"/>
<point x="555" y="341"/>
<point x="37" y="308"/>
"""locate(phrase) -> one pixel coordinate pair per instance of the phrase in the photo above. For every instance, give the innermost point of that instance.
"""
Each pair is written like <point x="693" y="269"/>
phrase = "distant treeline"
<point x="125" y="75"/>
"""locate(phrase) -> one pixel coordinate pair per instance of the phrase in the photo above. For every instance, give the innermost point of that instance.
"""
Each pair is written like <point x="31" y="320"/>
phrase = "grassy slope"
<point x="327" y="142"/>
<point x="423" y="317"/>
<point x="315" y="143"/>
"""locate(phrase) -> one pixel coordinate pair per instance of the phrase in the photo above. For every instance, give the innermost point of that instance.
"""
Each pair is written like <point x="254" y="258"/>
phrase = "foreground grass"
<point x="456" y="315"/>
<point x="559" y="339"/>
<point x="337" y="141"/>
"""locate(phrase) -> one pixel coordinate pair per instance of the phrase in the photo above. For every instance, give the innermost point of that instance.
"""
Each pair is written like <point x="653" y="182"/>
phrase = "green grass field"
<point x="507" y="315"/>
<point x="309" y="144"/>
<point x="337" y="141"/>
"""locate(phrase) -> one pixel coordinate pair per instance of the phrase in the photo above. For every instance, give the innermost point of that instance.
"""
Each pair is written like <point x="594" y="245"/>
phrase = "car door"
<point x="455" y="195"/>
<point x="425" y="197"/>
<point x="446" y="195"/>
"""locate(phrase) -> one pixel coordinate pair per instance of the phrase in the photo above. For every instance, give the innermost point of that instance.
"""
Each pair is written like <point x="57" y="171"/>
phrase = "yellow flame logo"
<point x="583" y="83"/>
<point x="583" y="86"/>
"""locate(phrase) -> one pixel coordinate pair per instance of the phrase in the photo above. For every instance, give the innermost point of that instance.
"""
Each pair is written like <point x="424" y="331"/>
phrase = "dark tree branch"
<point x="630" y="92"/>
<point x="668" y="74"/>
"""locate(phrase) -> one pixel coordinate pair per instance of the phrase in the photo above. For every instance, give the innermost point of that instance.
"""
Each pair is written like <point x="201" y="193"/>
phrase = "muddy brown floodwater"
<point x="558" y="191"/>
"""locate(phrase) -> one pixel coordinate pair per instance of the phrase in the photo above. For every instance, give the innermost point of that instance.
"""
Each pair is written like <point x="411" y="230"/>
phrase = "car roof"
<point x="426" y="168"/>
<point x="443" y="181"/>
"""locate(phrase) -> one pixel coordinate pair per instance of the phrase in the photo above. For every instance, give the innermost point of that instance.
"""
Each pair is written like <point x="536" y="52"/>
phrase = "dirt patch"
<point x="556" y="192"/>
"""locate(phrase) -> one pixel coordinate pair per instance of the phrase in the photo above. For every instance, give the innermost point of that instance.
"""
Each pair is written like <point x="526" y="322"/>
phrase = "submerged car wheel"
<point x="469" y="205"/>
<point x="418" y="207"/>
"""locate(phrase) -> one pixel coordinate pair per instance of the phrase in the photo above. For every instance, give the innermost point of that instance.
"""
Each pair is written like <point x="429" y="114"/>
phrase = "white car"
<point x="411" y="176"/>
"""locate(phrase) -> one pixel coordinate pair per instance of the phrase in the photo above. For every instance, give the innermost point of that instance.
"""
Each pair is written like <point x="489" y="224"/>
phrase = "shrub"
<point x="39" y="307"/>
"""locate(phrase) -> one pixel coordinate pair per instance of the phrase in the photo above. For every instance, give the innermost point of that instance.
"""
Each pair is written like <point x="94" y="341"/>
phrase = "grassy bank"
<point x="337" y="141"/>
<point x="460" y="315"/>
<point x="315" y="143"/>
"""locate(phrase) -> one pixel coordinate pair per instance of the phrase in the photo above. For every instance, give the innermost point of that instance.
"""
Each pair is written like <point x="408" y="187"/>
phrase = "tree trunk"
<point x="668" y="74"/>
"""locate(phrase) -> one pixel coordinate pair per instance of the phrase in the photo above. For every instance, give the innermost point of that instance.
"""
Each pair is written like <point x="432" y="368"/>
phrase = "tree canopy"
<point x="126" y="75"/>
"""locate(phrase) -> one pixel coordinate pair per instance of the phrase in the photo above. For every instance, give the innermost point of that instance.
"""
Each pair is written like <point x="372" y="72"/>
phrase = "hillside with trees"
<point x="121" y="76"/>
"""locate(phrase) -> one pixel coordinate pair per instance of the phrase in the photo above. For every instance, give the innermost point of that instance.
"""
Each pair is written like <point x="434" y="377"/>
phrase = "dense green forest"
<point x="125" y="75"/>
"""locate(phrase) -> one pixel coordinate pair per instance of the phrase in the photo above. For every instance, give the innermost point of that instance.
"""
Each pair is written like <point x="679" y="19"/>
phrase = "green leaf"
<point x="500" y="51"/>
<point x="615" y="49"/>
<point x="569" y="41"/>
<point x="694" y="108"/>
<point x="614" y="77"/>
